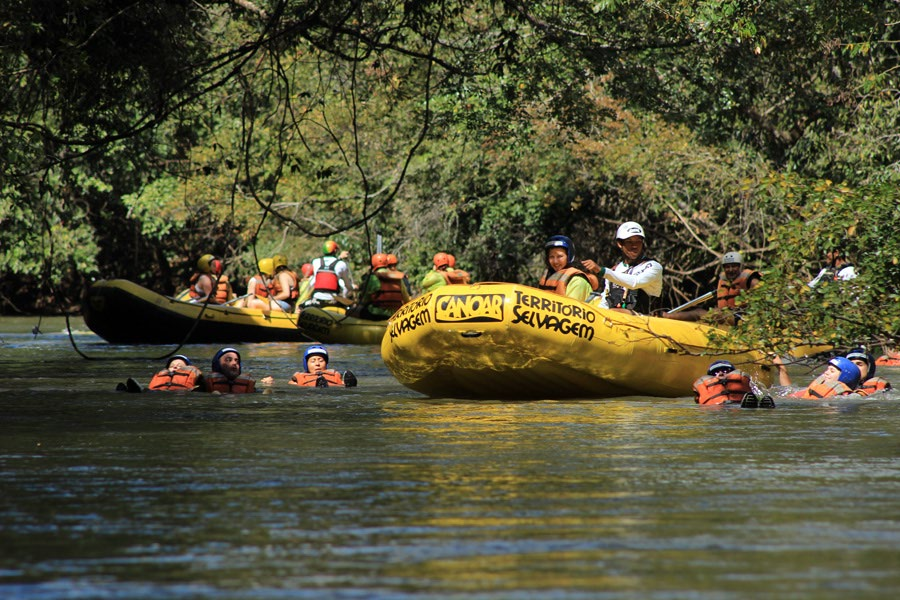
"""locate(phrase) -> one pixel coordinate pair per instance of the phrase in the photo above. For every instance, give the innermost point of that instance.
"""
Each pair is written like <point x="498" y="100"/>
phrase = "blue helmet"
<point x="720" y="365"/>
<point x="186" y="360"/>
<point x="861" y="354"/>
<point x="561" y="241"/>
<point x="314" y="351"/>
<point x="849" y="372"/>
<point x="217" y="368"/>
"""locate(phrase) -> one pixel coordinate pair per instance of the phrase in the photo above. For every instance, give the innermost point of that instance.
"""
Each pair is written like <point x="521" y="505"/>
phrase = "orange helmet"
<point x="379" y="260"/>
<point x="307" y="270"/>
<point x="330" y="247"/>
<point x="392" y="260"/>
<point x="452" y="260"/>
<point x="441" y="259"/>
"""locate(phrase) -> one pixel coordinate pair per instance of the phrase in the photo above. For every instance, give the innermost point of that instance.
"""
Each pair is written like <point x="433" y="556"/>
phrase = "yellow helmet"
<point x="266" y="266"/>
<point x="204" y="263"/>
<point x="279" y="260"/>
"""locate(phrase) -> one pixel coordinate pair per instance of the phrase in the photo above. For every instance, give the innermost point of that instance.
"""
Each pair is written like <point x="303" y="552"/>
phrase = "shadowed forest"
<point x="137" y="137"/>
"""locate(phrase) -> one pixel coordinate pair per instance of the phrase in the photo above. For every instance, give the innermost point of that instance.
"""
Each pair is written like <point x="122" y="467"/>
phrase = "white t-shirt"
<point x="647" y="276"/>
<point x="845" y="273"/>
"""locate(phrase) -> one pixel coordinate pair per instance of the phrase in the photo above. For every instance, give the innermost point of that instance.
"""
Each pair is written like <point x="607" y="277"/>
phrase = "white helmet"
<point x="732" y="258"/>
<point x="629" y="229"/>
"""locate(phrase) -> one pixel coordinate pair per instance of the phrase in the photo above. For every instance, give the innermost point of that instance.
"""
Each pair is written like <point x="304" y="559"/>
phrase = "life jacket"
<point x="637" y="300"/>
<point x="261" y="290"/>
<point x="293" y="288"/>
<point x="872" y="385"/>
<point x="185" y="378"/>
<point x="731" y="389"/>
<point x="331" y="377"/>
<point x="456" y="276"/>
<point x="558" y="281"/>
<point x="431" y="281"/>
<point x="888" y="361"/>
<point x="728" y="291"/>
<point x="390" y="296"/>
<point x="222" y="292"/>
<point x="217" y="382"/>
<point x="820" y="388"/>
<point x="326" y="277"/>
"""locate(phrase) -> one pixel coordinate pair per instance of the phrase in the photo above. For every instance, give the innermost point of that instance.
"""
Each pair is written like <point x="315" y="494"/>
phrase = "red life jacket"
<point x="872" y="385"/>
<point x="820" y="388"/>
<point x="731" y="389"/>
<point x="185" y="378"/>
<point x="222" y="291"/>
<point x="888" y="361"/>
<point x="217" y="382"/>
<point x="332" y="377"/>
<point x="326" y="278"/>
<point x="390" y="296"/>
<point x="728" y="291"/>
<point x="558" y="281"/>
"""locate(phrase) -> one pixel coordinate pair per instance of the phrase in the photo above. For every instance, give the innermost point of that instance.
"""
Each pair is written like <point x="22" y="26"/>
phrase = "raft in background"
<point x="513" y="342"/>
<point x="332" y="325"/>
<point x="123" y="312"/>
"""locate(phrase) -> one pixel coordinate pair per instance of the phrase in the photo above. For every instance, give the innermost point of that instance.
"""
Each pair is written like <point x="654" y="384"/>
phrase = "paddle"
<point x="694" y="302"/>
<point x="236" y="299"/>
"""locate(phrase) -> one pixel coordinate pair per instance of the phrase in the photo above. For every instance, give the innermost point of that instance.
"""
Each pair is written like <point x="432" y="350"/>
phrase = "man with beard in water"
<point x="226" y="374"/>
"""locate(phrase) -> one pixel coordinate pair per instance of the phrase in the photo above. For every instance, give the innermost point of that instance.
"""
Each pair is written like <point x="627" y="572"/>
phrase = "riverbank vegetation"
<point x="135" y="139"/>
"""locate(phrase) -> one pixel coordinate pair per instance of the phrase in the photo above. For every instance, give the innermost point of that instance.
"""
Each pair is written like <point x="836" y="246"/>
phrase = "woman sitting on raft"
<point x="562" y="276"/>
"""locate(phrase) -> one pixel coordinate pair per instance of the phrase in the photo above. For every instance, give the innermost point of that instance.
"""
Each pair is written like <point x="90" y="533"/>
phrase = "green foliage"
<point x="822" y="216"/>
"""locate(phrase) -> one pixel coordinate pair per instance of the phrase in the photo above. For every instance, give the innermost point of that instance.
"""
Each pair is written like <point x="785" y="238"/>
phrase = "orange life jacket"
<point x="217" y="382"/>
<point x="185" y="378"/>
<point x="728" y="291"/>
<point x="558" y="281"/>
<point x="456" y="276"/>
<point x="261" y="290"/>
<point x="731" y="389"/>
<point x="820" y="388"/>
<point x="332" y="377"/>
<point x="294" y="291"/>
<point x="326" y="278"/>
<point x="872" y="385"/>
<point x="390" y="296"/>
<point x="222" y="291"/>
<point x="888" y="361"/>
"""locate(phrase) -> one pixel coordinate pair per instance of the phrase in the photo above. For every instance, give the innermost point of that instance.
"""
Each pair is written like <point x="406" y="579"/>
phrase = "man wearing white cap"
<point x="635" y="280"/>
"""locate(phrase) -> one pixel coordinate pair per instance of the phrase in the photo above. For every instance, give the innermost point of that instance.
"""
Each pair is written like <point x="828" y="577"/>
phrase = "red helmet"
<point x="392" y="260"/>
<point x="330" y="247"/>
<point x="379" y="260"/>
<point x="307" y="270"/>
<point x="452" y="260"/>
<point x="441" y="259"/>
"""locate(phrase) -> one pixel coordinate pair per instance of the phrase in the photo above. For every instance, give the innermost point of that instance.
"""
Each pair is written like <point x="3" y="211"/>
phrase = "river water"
<point x="378" y="492"/>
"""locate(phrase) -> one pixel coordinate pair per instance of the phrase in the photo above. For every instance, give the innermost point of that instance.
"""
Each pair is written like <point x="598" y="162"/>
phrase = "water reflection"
<point x="377" y="492"/>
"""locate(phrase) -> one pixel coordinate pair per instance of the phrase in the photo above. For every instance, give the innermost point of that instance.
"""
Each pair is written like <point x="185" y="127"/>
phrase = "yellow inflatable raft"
<point x="509" y="341"/>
